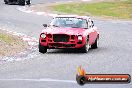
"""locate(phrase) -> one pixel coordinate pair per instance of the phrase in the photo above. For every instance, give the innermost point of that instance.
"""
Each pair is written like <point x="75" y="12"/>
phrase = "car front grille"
<point x="60" y="38"/>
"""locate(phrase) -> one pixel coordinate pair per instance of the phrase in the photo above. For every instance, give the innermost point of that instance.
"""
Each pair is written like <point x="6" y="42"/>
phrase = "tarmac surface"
<point x="57" y="68"/>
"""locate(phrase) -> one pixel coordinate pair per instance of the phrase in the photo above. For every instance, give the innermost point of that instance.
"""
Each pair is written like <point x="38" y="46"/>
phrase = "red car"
<point x="69" y="31"/>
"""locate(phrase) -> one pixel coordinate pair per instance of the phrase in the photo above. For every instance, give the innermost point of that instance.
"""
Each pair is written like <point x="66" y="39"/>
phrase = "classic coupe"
<point x="69" y="31"/>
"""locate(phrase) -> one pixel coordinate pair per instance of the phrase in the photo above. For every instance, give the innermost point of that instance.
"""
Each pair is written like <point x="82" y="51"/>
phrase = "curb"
<point x="31" y="40"/>
<point x="26" y="54"/>
<point x="26" y="10"/>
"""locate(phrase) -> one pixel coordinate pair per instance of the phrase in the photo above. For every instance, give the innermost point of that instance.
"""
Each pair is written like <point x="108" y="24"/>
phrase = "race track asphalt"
<point x="57" y="68"/>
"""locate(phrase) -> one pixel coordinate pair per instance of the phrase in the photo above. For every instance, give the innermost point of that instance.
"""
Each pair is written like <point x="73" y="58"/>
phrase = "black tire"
<point x="86" y="47"/>
<point x="95" y="45"/>
<point x="21" y="2"/>
<point x="6" y="2"/>
<point x="81" y="80"/>
<point x="42" y="49"/>
<point x="28" y="2"/>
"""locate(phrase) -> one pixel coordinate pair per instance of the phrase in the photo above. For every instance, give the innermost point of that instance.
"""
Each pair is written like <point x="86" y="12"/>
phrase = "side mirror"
<point x="45" y="25"/>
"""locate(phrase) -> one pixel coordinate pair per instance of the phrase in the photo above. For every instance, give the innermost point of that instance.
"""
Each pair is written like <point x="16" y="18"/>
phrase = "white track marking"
<point x="41" y="80"/>
<point x="26" y="10"/>
<point x="31" y="40"/>
<point x="40" y="13"/>
<point x="86" y="0"/>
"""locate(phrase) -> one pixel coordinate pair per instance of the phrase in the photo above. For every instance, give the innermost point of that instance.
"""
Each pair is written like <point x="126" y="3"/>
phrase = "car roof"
<point x="74" y="16"/>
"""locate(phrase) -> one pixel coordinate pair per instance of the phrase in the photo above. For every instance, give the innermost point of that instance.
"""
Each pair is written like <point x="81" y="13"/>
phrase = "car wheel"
<point x="28" y="2"/>
<point x="96" y="44"/>
<point x="21" y="2"/>
<point x="42" y="49"/>
<point x="81" y="80"/>
<point x="5" y="2"/>
<point x="86" y="47"/>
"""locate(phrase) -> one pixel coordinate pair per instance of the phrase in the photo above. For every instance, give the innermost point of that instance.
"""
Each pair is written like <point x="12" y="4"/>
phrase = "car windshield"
<point x="69" y="22"/>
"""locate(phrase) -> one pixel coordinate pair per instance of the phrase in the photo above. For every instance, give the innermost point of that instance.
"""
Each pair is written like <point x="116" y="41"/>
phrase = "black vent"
<point x="60" y="38"/>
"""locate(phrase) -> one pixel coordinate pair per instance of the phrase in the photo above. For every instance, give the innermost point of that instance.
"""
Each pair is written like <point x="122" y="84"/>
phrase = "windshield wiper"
<point x="75" y="27"/>
<point x="55" y="25"/>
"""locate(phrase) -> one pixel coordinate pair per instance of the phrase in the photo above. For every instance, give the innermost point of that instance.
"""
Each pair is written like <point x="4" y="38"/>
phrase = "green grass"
<point x="6" y="38"/>
<point x="118" y="9"/>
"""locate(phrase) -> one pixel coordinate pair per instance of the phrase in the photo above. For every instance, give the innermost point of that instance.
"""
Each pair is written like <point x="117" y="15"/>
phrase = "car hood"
<point x="59" y="30"/>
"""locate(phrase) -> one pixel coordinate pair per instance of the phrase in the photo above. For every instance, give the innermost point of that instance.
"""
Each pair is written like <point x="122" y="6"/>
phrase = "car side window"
<point x="84" y="24"/>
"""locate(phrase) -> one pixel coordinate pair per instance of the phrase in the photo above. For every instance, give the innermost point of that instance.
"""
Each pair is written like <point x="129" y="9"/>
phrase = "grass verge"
<point x="121" y="9"/>
<point x="10" y="45"/>
<point x="6" y="38"/>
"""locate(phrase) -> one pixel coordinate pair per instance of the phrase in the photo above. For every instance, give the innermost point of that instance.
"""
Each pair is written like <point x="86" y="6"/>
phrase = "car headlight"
<point x="80" y="38"/>
<point x="43" y="35"/>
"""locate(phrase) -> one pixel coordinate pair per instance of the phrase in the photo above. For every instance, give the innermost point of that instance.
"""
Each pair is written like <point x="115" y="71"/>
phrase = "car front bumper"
<point x="72" y="42"/>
